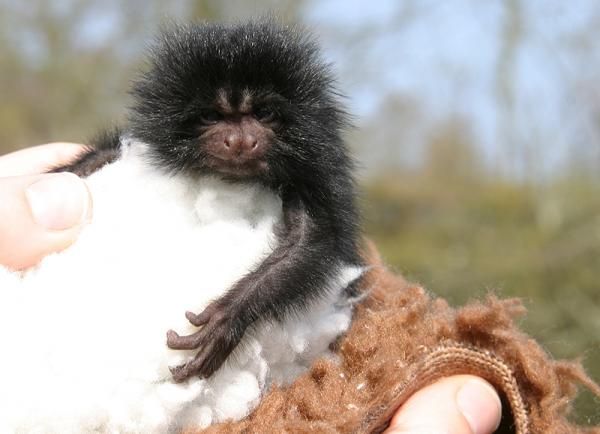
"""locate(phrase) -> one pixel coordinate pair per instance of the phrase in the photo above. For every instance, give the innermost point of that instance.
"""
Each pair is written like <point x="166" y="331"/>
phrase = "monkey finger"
<point x="172" y="339"/>
<point x="204" y="364"/>
<point x="179" y="373"/>
<point x="190" y="342"/>
<point x="192" y="368"/>
<point x="199" y="319"/>
<point x="206" y="315"/>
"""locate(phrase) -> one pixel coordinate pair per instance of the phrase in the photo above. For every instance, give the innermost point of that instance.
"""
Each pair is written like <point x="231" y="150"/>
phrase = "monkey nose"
<point x="240" y="145"/>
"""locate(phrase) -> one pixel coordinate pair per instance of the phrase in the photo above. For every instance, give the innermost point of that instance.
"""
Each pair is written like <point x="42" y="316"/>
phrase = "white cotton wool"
<point x="83" y="334"/>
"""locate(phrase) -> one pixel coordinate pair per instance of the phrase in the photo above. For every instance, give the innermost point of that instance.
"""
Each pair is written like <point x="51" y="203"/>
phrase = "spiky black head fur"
<point x="276" y="65"/>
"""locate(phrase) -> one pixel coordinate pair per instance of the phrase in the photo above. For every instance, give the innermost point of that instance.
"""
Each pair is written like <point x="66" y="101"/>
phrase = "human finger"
<point x="38" y="159"/>
<point x="461" y="404"/>
<point x="40" y="214"/>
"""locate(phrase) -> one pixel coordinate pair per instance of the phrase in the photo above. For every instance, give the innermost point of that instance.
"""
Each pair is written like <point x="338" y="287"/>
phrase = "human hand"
<point x="39" y="213"/>
<point x="462" y="404"/>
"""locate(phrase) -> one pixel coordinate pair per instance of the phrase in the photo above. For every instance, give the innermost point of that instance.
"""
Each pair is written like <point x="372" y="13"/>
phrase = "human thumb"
<point x="461" y="404"/>
<point x="40" y="214"/>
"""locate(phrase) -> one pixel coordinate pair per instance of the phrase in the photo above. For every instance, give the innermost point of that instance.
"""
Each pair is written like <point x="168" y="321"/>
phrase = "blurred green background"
<point x="477" y="131"/>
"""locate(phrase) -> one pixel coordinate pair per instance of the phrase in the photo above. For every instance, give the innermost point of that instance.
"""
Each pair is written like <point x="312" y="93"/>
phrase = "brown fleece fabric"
<point x="402" y="339"/>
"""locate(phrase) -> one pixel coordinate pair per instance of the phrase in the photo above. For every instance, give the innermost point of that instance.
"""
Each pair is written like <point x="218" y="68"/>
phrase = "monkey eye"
<point x="265" y="114"/>
<point x="210" y="117"/>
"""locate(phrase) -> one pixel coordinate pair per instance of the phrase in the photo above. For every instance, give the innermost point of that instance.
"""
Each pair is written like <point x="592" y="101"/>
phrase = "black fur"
<point x="103" y="149"/>
<point x="309" y="164"/>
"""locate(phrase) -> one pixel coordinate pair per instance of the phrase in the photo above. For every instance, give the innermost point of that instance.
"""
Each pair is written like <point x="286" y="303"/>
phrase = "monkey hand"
<point x="219" y="335"/>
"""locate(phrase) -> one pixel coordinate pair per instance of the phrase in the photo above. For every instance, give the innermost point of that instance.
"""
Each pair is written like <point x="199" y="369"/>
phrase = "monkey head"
<point x="248" y="101"/>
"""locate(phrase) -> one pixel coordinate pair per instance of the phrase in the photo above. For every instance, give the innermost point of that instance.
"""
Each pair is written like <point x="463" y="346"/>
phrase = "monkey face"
<point x="236" y="133"/>
<point x="245" y="101"/>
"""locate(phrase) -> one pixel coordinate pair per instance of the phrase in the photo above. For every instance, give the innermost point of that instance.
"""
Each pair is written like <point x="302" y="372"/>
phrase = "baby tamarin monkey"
<point x="250" y="102"/>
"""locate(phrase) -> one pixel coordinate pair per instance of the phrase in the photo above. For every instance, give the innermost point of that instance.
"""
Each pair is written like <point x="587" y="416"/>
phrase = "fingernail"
<point x="479" y="404"/>
<point x="59" y="201"/>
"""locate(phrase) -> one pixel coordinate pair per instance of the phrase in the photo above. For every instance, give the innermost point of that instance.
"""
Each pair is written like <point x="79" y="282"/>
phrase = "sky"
<point x="446" y="56"/>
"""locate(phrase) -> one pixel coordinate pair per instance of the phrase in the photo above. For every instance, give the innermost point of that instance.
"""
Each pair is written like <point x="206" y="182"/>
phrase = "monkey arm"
<point x="103" y="149"/>
<point x="294" y="273"/>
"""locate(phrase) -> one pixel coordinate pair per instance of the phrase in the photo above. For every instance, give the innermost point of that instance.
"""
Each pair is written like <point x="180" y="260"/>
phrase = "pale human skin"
<point x="44" y="213"/>
<point x="39" y="213"/>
